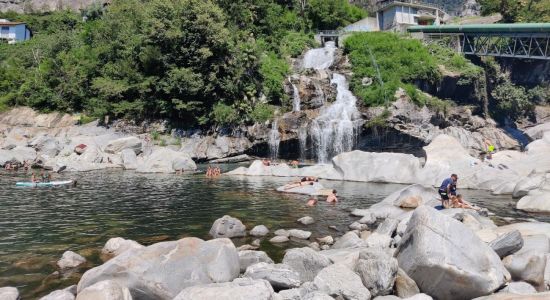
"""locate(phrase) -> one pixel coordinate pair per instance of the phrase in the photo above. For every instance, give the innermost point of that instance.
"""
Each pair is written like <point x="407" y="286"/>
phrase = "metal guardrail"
<point x="385" y="3"/>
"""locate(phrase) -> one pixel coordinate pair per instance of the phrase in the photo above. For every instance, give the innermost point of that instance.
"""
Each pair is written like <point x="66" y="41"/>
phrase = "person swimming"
<point x="312" y="201"/>
<point x="331" y="198"/>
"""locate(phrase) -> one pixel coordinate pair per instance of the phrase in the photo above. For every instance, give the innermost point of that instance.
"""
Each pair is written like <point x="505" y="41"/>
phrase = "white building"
<point x="397" y="15"/>
<point x="13" y="32"/>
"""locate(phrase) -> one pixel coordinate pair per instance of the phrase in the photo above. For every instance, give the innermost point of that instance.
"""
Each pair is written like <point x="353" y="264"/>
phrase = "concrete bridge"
<point x="519" y="40"/>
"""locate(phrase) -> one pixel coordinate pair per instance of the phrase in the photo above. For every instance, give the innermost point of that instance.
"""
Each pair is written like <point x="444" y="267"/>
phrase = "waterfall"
<point x="302" y="138"/>
<point x="274" y="140"/>
<point x="320" y="58"/>
<point x="335" y="130"/>
<point x="295" y="96"/>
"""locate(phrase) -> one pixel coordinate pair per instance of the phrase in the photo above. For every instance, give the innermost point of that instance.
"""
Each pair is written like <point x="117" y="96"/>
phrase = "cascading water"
<point x="320" y="58"/>
<point x="335" y="130"/>
<point x="302" y="139"/>
<point x="274" y="140"/>
<point x="295" y="96"/>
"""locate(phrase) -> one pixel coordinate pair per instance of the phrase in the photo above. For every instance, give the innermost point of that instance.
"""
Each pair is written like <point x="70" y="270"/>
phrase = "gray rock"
<point x="70" y="259"/>
<point x="71" y="289"/>
<point x="105" y="290"/>
<point x="387" y="227"/>
<point x="317" y="296"/>
<point x="378" y="240"/>
<point x="508" y="243"/>
<point x="162" y="270"/>
<point x="378" y="275"/>
<point x="59" y="295"/>
<point x="368" y="219"/>
<point x="547" y="272"/>
<point x="292" y="294"/>
<point x="527" y="184"/>
<point x="9" y="293"/>
<point x="116" y="246"/>
<point x="279" y="239"/>
<point x="250" y="257"/>
<point x="307" y="220"/>
<point x="509" y="296"/>
<point x="165" y="160"/>
<point x="405" y="286"/>
<point x="529" y="263"/>
<point x="436" y="244"/>
<point x="299" y="234"/>
<point x="420" y="296"/>
<point x="327" y="240"/>
<point x="360" y="212"/>
<point x="227" y="226"/>
<point x="315" y="246"/>
<point x="349" y="240"/>
<point x="339" y="281"/>
<point x="358" y="226"/>
<point x="520" y="288"/>
<point x="396" y="240"/>
<point x="306" y="262"/>
<point x="240" y="288"/>
<point x="282" y="232"/>
<point x="129" y="159"/>
<point x="256" y="242"/>
<point x="46" y="145"/>
<point x="246" y="247"/>
<point x="116" y="146"/>
<point x="388" y="297"/>
<point x="232" y="159"/>
<point x="259" y="230"/>
<point x="280" y="276"/>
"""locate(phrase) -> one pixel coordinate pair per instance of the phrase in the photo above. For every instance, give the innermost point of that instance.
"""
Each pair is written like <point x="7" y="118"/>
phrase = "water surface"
<point x="38" y="225"/>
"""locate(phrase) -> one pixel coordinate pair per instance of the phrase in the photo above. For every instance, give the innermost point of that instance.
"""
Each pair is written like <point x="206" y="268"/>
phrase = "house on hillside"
<point x="13" y="32"/>
<point x="397" y="15"/>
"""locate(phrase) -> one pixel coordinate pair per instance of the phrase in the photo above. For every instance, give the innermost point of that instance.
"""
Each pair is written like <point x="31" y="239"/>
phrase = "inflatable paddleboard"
<point x="43" y="184"/>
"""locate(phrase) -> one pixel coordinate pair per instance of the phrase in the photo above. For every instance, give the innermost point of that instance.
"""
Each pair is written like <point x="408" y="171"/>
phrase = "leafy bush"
<point x="400" y="61"/>
<point x="539" y="95"/>
<point x="273" y="71"/>
<point x="262" y="112"/>
<point x="225" y="114"/>
<point x="332" y="14"/>
<point x="294" y="43"/>
<point x="511" y="101"/>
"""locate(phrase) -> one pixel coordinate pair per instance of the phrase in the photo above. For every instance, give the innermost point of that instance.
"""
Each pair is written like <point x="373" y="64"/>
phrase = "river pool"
<point x="38" y="225"/>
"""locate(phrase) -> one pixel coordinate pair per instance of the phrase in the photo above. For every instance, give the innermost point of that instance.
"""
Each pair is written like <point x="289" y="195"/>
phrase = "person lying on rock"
<point x="458" y="202"/>
<point x="331" y="198"/>
<point x="447" y="189"/>
<point x="296" y="184"/>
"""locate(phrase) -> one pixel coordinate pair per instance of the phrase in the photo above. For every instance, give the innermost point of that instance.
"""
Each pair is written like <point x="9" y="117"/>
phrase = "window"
<point x="5" y="30"/>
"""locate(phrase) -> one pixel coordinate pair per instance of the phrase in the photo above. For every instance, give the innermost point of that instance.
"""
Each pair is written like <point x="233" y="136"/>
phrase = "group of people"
<point x="449" y="197"/>
<point x="308" y="180"/>
<point x="15" y="166"/>
<point x="213" y="172"/>
<point x="41" y="177"/>
<point x="331" y="198"/>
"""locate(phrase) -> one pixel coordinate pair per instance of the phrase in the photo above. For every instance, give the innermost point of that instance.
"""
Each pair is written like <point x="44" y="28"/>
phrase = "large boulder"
<point x="165" y="160"/>
<point x="535" y="201"/>
<point x="70" y="259"/>
<point x="306" y="262"/>
<point x="117" y="245"/>
<point x="280" y="276"/>
<point x="238" y="289"/>
<point x="529" y="263"/>
<point x="162" y="270"/>
<point x="378" y="275"/>
<point x="18" y="154"/>
<point x="508" y="243"/>
<point x="377" y="167"/>
<point x="9" y="293"/>
<point x="129" y="159"/>
<point x="405" y="286"/>
<point x="299" y="234"/>
<point x="259" y="230"/>
<point x="59" y="295"/>
<point x="339" y="281"/>
<point x="519" y="287"/>
<point x="349" y="240"/>
<point x="436" y="244"/>
<point x="105" y="290"/>
<point x="228" y="227"/>
<point x="251" y="257"/>
<point x="46" y="145"/>
<point x="133" y="143"/>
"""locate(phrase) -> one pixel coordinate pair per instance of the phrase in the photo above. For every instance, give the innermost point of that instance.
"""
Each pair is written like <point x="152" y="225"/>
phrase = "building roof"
<point x="4" y="22"/>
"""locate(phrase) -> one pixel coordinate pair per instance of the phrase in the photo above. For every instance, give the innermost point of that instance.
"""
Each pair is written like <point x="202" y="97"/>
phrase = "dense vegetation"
<point x="518" y="10"/>
<point x="396" y="62"/>
<point x="198" y="62"/>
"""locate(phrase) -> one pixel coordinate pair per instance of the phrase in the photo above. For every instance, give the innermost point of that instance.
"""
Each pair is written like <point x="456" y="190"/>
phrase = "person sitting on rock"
<point x="447" y="189"/>
<point x="294" y="164"/>
<point x="331" y="198"/>
<point x="312" y="201"/>
<point x="458" y="202"/>
<point x="33" y="177"/>
<point x="266" y="162"/>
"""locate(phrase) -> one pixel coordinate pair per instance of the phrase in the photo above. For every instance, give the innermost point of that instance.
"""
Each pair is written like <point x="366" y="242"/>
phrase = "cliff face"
<point x="26" y="6"/>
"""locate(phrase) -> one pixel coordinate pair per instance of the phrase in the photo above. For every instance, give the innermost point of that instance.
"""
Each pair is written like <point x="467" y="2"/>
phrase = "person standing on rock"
<point x="448" y="188"/>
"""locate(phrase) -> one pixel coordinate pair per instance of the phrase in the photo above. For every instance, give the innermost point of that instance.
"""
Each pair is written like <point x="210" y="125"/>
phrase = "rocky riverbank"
<point x="400" y="248"/>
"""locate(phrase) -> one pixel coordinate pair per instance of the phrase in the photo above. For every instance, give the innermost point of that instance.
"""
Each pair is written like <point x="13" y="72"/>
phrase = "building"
<point x="13" y="32"/>
<point x="397" y="15"/>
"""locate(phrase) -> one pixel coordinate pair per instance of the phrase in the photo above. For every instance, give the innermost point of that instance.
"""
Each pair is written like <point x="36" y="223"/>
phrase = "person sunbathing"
<point x="458" y="202"/>
<point x="296" y="184"/>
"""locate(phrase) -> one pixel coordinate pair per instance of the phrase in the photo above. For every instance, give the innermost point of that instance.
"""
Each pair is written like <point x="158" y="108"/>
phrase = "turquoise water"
<point x="38" y="225"/>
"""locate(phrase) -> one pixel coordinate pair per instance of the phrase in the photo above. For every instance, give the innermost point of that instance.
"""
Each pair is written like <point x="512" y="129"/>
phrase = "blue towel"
<point x="439" y="207"/>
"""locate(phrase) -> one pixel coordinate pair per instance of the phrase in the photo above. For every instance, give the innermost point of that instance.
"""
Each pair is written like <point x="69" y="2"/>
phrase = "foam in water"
<point x="335" y="130"/>
<point x="320" y="58"/>
<point x="302" y="138"/>
<point x="274" y="140"/>
<point x="295" y="97"/>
